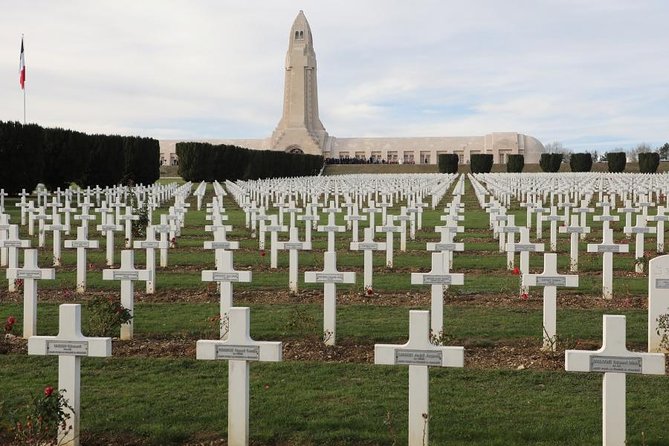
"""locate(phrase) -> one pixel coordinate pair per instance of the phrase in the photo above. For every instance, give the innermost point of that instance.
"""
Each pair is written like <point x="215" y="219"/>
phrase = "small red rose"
<point x="370" y="291"/>
<point x="48" y="390"/>
<point x="524" y="296"/>
<point x="11" y="320"/>
<point x="516" y="271"/>
<point x="262" y="253"/>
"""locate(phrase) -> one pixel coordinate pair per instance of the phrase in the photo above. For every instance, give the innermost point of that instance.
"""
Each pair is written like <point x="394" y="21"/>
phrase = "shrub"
<point x="481" y="163"/>
<point x="616" y="161"/>
<point x="649" y="162"/>
<point x="515" y="163"/>
<point x="550" y="162"/>
<point x="105" y="316"/>
<point x="448" y="162"/>
<point x="580" y="162"/>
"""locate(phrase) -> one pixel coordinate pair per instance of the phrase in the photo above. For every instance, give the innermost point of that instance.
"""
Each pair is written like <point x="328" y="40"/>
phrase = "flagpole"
<point x="24" y="84"/>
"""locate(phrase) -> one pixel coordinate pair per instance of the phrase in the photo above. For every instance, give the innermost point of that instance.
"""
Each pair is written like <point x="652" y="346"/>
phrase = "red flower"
<point x="524" y="296"/>
<point x="262" y="253"/>
<point x="516" y="271"/>
<point x="370" y="291"/>
<point x="48" y="390"/>
<point x="11" y="320"/>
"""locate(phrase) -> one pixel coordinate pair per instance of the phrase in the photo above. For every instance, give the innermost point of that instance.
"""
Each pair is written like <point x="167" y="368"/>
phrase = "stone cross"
<point x="56" y="227"/>
<point x="81" y="244"/>
<point x="13" y="243"/>
<point x="574" y="230"/>
<point x="23" y="206"/>
<point x="41" y="218"/>
<point x="329" y="277"/>
<point x="4" y="233"/>
<point x="524" y="247"/>
<point x="553" y="217"/>
<point x="331" y="228"/>
<point x="238" y="350"/>
<point x="550" y="279"/>
<point x="640" y="230"/>
<point x="615" y="361"/>
<point x="372" y="210"/>
<point x="225" y="275"/>
<point x="403" y="218"/>
<point x="274" y="228"/>
<point x="127" y="274"/>
<point x="508" y="235"/>
<point x="107" y="227"/>
<point x="128" y="218"/>
<point x="605" y="218"/>
<point x="659" y="218"/>
<point x="446" y="246"/>
<point x="30" y="274"/>
<point x="293" y="245"/>
<point x="658" y="301"/>
<point x="628" y="210"/>
<point x="607" y="248"/>
<point x="220" y="244"/>
<point x="539" y="210"/>
<point x="368" y="245"/>
<point x="309" y="219"/>
<point x="437" y="278"/>
<point x="583" y="211"/>
<point x="70" y="346"/>
<point x="150" y="244"/>
<point x="419" y="354"/>
<point x="389" y="229"/>
<point x="353" y="219"/>
<point x="163" y="229"/>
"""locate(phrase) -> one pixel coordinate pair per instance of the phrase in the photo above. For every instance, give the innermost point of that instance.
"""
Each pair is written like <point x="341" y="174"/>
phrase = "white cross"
<point x="607" y="248"/>
<point x="70" y="345"/>
<point x="640" y="229"/>
<point x="274" y="228"/>
<point x="225" y="275"/>
<point x="30" y="274"/>
<point x="293" y="245"/>
<point x="403" y="218"/>
<point x="372" y="210"/>
<point x="583" y="211"/>
<point x="150" y="244"/>
<point x="628" y="210"/>
<point x="438" y="277"/>
<point x="4" y="233"/>
<point x="238" y="350"/>
<point x="220" y="244"/>
<point x="419" y="354"/>
<point x="163" y="229"/>
<point x="331" y="228"/>
<point x="107" y="227"/>
<point x="128" y="218"/>
<point x="389" y="229"/>
<point x="446" y="246"/>
<point x="550" y="279"/>
<point x="41" y="217"/>
<point x="615" y="361"/>
<point x="368" y="245"/>
<point x="508" y="235"/>
<point x="574" y="230"/>
<point x="660" y="218"/>
<point x="127" y="274"/>
<point x="329" y="277"/>
<point x="605" y="218"/>
<point x="81" y="244"/>
<point x="524" y="247"/>
<point x="13" y="243"/>
<point x="353" y="219"/>
<point x="553" y="217"/>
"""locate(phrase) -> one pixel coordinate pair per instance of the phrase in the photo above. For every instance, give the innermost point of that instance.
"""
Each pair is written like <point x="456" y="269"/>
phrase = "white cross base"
<point x="419" y="354"/>
<point x="615" y="361"/>
<point x="70" y="345"/>
<point x="238" y="349"/>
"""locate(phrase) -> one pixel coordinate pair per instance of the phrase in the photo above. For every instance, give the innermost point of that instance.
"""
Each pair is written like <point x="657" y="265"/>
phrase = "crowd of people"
<point x="370" y="160"/>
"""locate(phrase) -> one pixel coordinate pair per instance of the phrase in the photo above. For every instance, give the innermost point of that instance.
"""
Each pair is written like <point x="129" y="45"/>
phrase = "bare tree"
<point x="633" y="154"/>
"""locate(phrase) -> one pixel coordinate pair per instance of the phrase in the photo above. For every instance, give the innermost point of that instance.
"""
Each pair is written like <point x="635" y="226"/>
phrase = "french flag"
<point x="22" y="68"/>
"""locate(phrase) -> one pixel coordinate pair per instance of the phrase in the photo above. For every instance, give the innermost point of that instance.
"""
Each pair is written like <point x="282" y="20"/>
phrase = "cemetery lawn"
<point x="153" y="391"/>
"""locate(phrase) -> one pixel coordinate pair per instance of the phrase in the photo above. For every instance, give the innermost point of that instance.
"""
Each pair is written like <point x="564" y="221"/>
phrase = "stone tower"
<point x="300" y="129"/>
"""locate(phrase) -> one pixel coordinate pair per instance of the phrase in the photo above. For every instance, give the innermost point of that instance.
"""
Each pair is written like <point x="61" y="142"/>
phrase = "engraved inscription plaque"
<point x="418" y="357"/>
<point x="71" y="348"/>
<point x="619" y="364"/>
<point x="243" y="352"/>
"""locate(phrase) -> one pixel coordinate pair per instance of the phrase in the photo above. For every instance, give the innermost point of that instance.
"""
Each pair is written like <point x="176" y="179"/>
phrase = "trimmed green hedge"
<point x="515" y="163"/>
<point x="480" y="163"/>
<point x="207" y="162"/>
<point x="616" y="161"/>
<point x="649" y="162"/>
<point x="550" y="162"/>
<point x="448" y="162"/>
<point x="30" y="154"/>
<point x="580" y="162"/>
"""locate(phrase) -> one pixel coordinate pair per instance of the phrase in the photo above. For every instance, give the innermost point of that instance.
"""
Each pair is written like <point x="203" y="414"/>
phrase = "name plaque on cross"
<point x="107" y="227"/>
<point x="609" y="248"/>
<point x="662" y="284"/>
<point x="71" y="348"/>
<point x="364" y="246"/>
<point x="445" y="247"/>
<point x="436" y="279"/>
<point x="240" y="352"/>
<point x="80" y="243"/>
<point x="23" y="274"/>
<point x="551" y="281"/>
<point x="331" y="228"/>
<point x="331" y="278"/>
<point x="221" y="245"/>
<point x="150" y="245"/>
<point x="616" y="364"/>
<point x="225" y="277"/>
<point x="288" y="245"/>
<point x="125" y="275"/>
<point x="418" y="357"/>
<point x="12" y="244"/>
<point x="521" y="247"/>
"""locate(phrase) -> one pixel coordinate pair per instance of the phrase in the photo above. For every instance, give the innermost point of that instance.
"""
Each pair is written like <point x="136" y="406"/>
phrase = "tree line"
<point x="31" y="154"/>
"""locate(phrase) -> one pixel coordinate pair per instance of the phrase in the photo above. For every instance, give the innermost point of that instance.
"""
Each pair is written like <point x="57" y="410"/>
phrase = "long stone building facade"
<point x="300" y="129"/>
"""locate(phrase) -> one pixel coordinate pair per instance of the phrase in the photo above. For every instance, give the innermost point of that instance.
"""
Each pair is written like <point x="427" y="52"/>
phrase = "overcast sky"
<point x="592" y="74"/>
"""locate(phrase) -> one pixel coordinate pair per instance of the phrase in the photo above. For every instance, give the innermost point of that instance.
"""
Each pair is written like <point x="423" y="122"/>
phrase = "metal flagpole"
<point x="23" y="60"/>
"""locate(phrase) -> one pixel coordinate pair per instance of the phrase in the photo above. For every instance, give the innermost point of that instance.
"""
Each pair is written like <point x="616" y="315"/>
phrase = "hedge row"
<point x="30" y="154"/>
<point x="616" y="161"/>
<point x="649" y="162"/>
<point x="448" y="162"/>
<point x="515" y="163"/>
<point x="207" y="162"/>
<point x="550" y="162"/>
<point x="481" y="162"/>
<point x="580" y="162"/>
